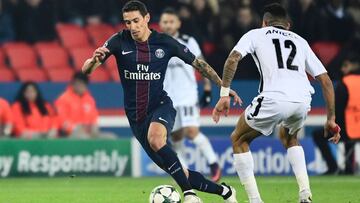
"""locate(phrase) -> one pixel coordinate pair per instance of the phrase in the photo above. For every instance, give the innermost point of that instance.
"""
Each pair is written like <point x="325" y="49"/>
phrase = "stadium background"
<point x="46" y="41"/>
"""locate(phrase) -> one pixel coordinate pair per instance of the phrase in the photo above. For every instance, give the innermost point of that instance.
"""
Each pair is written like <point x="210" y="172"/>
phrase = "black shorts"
<point x="165" y="114"/>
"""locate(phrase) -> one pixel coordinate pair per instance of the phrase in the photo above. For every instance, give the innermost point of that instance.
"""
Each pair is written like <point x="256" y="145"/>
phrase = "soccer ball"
<point x="164" y="194"/>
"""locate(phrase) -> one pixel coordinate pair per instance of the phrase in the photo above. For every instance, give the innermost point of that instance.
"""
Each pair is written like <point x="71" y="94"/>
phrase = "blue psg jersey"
<point x="142" y="67"/>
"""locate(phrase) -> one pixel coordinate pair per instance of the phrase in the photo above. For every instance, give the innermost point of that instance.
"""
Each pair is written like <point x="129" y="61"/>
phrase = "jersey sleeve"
<point x="313" y="65"/>
<point x="245" y="45"/>
<point x="181" y="51"/>
<point x="112" y="44"/>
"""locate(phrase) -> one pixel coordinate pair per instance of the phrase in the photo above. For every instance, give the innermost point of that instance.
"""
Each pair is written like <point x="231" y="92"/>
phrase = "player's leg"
<point x="199" y="182"/>
<point x="295" y="153"/>
<point x="157" y="135"/>
<point x="206" y="149"/>
<point x="296" y="157"/>
<point x="178" y="144"/>
<point x="241" y="138"/>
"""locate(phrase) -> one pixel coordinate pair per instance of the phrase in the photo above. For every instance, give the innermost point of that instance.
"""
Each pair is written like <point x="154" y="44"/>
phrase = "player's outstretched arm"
<point x="223" y="105"/>
<point x="206" y="70"/>
<point x="329" y="96"/>
<point x="230" y="67"/>
<point x="95" y="61"/>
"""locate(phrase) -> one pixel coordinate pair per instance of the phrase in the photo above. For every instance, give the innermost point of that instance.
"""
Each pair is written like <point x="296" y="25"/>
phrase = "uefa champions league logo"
<point x="159" y="53"/>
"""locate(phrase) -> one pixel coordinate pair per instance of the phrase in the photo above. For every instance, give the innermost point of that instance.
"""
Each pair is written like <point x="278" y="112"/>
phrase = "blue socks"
<point x="173" y="167"/>
<point x="199" y="182"/>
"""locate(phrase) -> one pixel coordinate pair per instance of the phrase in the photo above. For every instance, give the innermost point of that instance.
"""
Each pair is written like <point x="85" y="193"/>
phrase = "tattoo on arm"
<point x="207" y="71"/>
<point x="230" y="68"/>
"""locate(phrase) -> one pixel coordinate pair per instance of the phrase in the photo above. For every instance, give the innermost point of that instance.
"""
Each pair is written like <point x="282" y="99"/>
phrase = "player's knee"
<point x="156" y="141"/>
<point x="192" y="132"/>
<point x="290" y="141"/>
<point x="235" y="137"/>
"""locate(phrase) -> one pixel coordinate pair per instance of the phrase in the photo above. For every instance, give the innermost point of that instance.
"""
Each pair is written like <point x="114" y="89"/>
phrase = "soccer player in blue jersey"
<point x="142" y="57"/>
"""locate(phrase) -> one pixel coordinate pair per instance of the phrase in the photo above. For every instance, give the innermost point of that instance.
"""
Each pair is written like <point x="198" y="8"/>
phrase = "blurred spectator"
<point x="35" y="21"/>
<point x="347" y="116"/>
<point x="33" y="116"/>
<point x="89" y="11"/>
<point x="6" y="121"/>
<point x="77" y="109"/>
<point x="339" y="25"/>
<point x="7" y="32"/>
<point x="306" y="22"/>
<point x="188" y="25"/>
<point x="245" y="20"/>
<point x="354" y="10"/>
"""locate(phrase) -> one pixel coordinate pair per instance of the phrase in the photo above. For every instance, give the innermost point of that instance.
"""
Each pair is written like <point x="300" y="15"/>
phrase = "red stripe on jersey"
<point x="142" y="87"/>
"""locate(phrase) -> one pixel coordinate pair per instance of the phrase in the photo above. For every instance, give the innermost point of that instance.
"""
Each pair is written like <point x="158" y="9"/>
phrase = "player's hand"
<point x="334" y="130"/>
<point x="235" y="96"/>
<point x="205" y="99"/>
<point x="222" y="107"/>
<point x="100" y="53"/>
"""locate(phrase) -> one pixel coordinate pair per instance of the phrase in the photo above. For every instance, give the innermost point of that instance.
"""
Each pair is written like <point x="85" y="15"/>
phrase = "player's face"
<point x="170" y="24"/>
<point x="79" y="87"/>
<point x="136" y="23"/>
<point x="30" y="93"/>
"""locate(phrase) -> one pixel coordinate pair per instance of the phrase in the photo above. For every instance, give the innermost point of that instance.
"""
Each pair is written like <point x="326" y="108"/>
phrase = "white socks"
<point x="203" y="143"/>
<point x="179" y="148"/>
<point x="244" y="165"/>
<point x="296" y="158"/>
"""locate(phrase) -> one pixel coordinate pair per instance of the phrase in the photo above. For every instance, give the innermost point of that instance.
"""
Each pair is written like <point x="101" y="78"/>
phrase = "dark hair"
<point x="171" y="11"/>
<point x="39" y="101"/>
<point x="80" y="76"/>
<point x="276" y="11"/>
<point x="135" y="5"/>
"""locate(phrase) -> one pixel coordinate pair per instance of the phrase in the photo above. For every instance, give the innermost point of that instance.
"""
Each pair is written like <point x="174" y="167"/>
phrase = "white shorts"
<point x="187" y="116"/>
<point x="263" y="114"/>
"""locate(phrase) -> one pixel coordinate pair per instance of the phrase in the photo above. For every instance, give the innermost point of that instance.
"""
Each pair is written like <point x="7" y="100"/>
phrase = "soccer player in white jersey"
<point x="180" y="83"/>
<point x="283" y="59"/>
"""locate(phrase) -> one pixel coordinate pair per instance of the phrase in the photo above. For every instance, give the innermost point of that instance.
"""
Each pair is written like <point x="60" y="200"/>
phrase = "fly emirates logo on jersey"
<point x="142" y="73"/>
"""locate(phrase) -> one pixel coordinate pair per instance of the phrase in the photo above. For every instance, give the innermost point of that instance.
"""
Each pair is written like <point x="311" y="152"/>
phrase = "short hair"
<point x="135" y="5"/>
<point x="171" y="11"/>
<point x="275" y="12"/>
<point x="81" y="76"/>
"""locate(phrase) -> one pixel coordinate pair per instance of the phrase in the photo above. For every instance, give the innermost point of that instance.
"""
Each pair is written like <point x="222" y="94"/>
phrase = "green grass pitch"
<point x="339" y="189"/>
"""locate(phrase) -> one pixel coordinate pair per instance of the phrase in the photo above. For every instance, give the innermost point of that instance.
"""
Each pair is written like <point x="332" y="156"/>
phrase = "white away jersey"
<point x="180" y="82"/>
<point x="283" y="58"/>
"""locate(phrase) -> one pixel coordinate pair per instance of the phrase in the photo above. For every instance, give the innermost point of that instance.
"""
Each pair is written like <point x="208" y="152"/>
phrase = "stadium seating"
<point x="114" y="75"/>
<point x="72" y="36"/>
<point x="326" y="51"/>
<point x="59" y="59"/>
<point x="20" y="55"/>
<point x="2" y="59"/>
<point x="31" y="74"/>
<point x="79" y="55"/>
<point x="45" y="45"/>
<point x="100" y="33"/>
<point x="6" y="75"/>
<point x="63" y="74"/>
<point x="53" y="56"/>
<point x="120" y="27"/>
<point x="155" y="26"/>
<point x="111" y="63"/>
<point x="101" y="74"/>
